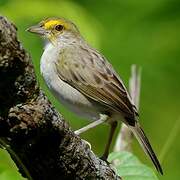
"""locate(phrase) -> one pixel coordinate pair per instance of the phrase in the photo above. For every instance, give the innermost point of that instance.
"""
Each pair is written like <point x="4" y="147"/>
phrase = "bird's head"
<point x="53" y="28"/>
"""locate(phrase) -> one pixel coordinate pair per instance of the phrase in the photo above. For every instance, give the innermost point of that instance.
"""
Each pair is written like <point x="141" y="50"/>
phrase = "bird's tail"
<point x="144" y="142"/>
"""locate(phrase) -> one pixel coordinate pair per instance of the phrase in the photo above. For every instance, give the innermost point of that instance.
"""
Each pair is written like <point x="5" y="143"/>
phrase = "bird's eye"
<point x="59" y="27"/>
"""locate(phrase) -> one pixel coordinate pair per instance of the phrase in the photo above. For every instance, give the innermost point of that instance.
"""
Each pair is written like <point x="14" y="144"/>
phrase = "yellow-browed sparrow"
<point x="83" y="80"/>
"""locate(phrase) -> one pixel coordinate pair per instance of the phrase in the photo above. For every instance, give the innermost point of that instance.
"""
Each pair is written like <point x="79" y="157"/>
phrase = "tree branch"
<point x="38" y="139"/>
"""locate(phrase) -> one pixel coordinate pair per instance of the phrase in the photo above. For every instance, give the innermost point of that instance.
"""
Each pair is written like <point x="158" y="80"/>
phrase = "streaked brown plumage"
<point x="83" y="80"/>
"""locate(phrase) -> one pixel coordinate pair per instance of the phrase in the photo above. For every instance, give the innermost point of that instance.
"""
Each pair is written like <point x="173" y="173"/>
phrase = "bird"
<point x="84" y="81"/>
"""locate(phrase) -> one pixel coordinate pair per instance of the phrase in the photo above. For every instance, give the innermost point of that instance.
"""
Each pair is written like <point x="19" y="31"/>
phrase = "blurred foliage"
<point x="8" y="170"/>
<point x="146" y="33"/>
<point x="129" y="167"/>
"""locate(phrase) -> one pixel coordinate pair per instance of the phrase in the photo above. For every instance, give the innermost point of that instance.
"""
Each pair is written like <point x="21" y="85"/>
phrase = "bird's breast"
<point x="66" y="94"/>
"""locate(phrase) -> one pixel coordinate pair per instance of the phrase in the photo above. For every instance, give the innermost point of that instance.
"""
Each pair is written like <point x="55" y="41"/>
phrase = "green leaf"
<point x="8" y="169"/>
<point x="8" y="174"/>
<point x="130" y="168"/>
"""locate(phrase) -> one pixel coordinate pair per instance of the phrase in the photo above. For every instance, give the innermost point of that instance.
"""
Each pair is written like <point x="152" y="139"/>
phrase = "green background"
<point x="146" y="33"/>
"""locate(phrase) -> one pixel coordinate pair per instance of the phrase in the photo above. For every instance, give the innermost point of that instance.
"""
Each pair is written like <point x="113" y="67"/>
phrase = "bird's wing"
<point x="90" y="73"/>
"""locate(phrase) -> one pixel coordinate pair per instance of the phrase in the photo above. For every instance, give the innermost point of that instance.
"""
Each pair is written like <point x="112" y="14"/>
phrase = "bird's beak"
<point x="37" y="29"/>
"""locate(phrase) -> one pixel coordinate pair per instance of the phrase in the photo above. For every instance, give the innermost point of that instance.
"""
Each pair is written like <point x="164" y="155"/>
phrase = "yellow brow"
<point x="51" y="23"/>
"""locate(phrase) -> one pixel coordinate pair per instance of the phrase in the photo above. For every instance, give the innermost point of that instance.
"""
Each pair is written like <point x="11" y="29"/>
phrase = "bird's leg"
<point x="112" y="130"/>
<point x="102" y="119"/>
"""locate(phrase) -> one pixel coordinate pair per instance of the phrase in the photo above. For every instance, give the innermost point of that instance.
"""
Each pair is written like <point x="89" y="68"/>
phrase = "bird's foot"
<point x="104" y="158"/>
<point x="87" y="143"/>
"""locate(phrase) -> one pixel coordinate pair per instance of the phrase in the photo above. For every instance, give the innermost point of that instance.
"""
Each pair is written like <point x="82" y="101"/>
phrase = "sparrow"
<point x="83" y="80"/>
